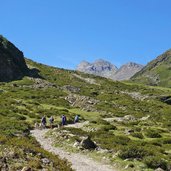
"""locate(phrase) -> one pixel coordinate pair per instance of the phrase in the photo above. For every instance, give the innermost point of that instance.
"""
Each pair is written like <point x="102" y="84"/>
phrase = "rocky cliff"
<point x="12" y="63"/>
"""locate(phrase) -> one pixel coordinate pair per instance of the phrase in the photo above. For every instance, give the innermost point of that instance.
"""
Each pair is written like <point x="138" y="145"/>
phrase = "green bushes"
<point x="76" y="131"/>
<point x="107" y="127"/>
<point x="153" y="133"/>
<point x="133" y="151"/>
<point x="155" y="162"/>
<point x="166" y="140"/>
<point x="28" y="151"/>
<point x="12" y="127"/>
<point x="110" y="141"/>
<point x="137" y="135"/>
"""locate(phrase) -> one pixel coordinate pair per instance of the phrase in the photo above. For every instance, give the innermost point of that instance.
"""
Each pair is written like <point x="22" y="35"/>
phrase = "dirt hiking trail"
<point x="79" y="161"/>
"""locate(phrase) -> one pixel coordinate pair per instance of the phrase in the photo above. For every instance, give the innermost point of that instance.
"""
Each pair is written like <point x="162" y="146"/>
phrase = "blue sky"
<point x="62" y="33"/>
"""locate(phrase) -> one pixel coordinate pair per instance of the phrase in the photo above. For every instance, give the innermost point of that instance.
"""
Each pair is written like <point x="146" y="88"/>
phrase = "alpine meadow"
<point x="123" y="125"/>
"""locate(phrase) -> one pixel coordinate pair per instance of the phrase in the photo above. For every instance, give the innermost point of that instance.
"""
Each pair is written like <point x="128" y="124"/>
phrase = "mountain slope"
<point x="12" y="64"/>
<point x="157" y="72"/>
<point x="127" y="71"/>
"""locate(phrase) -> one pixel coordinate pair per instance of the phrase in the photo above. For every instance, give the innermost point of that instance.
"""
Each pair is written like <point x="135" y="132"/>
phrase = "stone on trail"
<point x="87" y="143"/>
<point x="26" y="169"/>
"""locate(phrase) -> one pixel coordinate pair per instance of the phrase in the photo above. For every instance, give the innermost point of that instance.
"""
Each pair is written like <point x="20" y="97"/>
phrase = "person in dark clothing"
<point x="43" y="121"/>
<point x="51" y="120"/>
<point x="63" y="120"/>
<point x="76" y="119"/>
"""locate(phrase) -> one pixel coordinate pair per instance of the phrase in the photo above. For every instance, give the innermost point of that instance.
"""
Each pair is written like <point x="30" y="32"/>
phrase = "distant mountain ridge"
<point x="108" y="70"/>
<point x="99" y="67"/>
<point x="125" y="72"/>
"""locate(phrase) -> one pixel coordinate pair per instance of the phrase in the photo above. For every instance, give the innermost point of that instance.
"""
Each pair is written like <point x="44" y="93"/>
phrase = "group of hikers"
<point x="51" y="121"/>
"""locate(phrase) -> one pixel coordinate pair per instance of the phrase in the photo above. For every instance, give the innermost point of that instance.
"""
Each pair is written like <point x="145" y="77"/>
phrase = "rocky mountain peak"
<point x="126" y="71"/>
<point x="106" y="69"/>
<point x="133" y="64"/>
<point x="99" y="67"/>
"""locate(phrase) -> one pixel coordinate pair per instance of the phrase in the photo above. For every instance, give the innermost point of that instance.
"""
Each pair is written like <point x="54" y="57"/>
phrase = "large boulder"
<point x="87" y="143"/>
<point x="12" y="63"/>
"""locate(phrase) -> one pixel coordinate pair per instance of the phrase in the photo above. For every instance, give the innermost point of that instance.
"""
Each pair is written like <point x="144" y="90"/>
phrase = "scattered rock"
<point x="159" y="169"/>
<point x="26" y="169"/>
<point x="129" y="131"/>
<point x="76" y="144"/>
<point x="131" y="165"/>
<point x="135" y="95"/>
<point x="3" y="164"/>
<point x="129" y="118"/>
<point x="102" y="151"/>
<point x="45" y="161"/>
<point x="70" y="88"/>
<point x="145" y="118"/>
<point x="40" y="83"/>
<point x="87" y="143"/>
<point x="84" y="102"/>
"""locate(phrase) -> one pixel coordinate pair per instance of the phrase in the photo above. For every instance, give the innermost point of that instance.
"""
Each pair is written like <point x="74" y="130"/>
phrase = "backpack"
<point x="51" y="119"/>
<point x="43" y="120"/>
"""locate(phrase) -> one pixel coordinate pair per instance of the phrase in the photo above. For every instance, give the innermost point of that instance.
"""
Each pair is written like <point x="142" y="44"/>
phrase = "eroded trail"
<point x="79" y="162"/>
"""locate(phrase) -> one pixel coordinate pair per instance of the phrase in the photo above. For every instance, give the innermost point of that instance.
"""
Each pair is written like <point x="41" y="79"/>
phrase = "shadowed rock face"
<point x="12" y="63"/>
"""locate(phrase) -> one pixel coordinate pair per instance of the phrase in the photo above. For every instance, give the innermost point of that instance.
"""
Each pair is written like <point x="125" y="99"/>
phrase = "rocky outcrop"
<point x="12" y="63"/>
<point x="106" y="69"/>
<point x="87" y="143"/>
<point x="84" y="102"/>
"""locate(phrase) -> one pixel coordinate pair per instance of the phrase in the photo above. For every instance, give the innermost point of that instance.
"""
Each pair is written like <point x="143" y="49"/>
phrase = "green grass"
<point x="22" y="105"/>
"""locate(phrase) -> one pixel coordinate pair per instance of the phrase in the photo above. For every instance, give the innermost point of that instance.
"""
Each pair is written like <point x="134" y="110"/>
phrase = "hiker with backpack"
<point x="63" y="120"/>
<point x="43" y="122"/>
<point x="51" y="120"/>
<point x="76" y="119"/>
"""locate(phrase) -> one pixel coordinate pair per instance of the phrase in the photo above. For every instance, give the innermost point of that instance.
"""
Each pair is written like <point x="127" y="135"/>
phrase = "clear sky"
<point x="62" y="33"/>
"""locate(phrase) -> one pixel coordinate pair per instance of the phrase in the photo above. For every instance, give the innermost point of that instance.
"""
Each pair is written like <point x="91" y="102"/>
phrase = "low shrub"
<point x="137" y="135"/>
<point x="155" y="162"/>
<point x="153" y="134"/>
<point x="108" y="127"/>
<point x="133" y="152"/>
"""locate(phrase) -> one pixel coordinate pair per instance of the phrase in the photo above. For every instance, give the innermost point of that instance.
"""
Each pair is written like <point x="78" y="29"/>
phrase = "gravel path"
<point x="79" y="162"/>
<point x="78" y="125"/>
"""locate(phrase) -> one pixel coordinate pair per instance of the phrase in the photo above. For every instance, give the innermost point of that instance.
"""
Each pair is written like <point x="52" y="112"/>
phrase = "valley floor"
<point x="79" y="161"/>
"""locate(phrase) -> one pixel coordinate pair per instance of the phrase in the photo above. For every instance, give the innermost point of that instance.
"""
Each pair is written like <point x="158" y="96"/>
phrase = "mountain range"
<point x="106" y="69"/>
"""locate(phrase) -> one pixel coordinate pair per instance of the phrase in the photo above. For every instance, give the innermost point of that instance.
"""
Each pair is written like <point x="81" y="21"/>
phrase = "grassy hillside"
<point x="157" y="72"/>
<point x="129" y="120"/>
